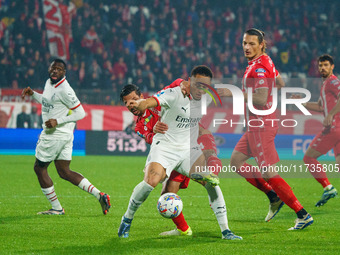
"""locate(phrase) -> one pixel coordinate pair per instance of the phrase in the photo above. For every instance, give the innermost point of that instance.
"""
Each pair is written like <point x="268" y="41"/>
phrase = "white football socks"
<point x="52" y="197"/>
<point x="217" y="204"/>
<point x="87" y="186"/>
<point x="139" y="195"/>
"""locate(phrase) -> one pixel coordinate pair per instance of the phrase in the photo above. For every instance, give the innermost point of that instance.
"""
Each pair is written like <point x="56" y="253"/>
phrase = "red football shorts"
<point x="326" y="140"/>
<point x="177" y="177"/>
<point x="207" y="142"/>
<point x="259" y="145"/>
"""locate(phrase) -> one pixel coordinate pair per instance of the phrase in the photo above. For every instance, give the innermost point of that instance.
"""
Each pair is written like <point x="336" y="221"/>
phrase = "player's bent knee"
<point x="171" y="186"/>
<point x="40" y="166"/>
<point x="152" y="181"/>
<point x="64" y="173"/>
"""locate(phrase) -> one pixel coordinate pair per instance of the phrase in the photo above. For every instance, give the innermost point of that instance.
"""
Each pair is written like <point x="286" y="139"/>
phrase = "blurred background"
<point x="108" y="44"/>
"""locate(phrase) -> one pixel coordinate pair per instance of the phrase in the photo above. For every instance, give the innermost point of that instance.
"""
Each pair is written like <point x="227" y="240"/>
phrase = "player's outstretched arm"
<point x="260" y="96"/>
<point x="29" y="92"/>
<point x="224" y="92"/>
<point x="26" y="91"/>
<point x="143" y="104"/>
<point x="312" y="106"/>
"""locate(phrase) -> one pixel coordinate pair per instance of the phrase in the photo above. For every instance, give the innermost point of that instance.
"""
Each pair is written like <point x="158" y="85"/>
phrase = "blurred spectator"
<point x="35" y="118"/>
<point x="120" y="68"/>
<point x="89" y="38"/>
<point x="23" y="119"/>
<point x="171" y="38"/>
<point x="153" y="45"/>
<point x="31" y="79"/>
<point x="130" y="44"/>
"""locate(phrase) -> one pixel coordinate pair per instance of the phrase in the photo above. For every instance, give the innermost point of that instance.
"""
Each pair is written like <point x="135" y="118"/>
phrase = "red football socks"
<point x="180" y="222"/>
<point x="285" y="193"/>
<point x="215" y="164"/>
<point x="254" y="177"/>
<point x="315" y="168"/>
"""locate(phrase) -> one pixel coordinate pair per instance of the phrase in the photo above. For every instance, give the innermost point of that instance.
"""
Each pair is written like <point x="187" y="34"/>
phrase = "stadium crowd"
<point x="151" y="44"/>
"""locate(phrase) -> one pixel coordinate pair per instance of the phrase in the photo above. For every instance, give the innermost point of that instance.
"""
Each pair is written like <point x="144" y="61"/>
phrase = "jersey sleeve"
<point x="69" y="98"/>
<point x="334" y="87"/>
<point x="174" y="84"/>
<point x="167" y="98"/>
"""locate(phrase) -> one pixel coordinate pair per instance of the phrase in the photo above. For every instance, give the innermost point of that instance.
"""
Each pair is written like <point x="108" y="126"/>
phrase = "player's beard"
<point x="56" y="80"/>
<point x="325" y="74"/>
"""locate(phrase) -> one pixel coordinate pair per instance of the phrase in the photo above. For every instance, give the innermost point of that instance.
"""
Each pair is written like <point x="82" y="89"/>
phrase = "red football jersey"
<point x="329" y="93"/>
<point x="260" y="73"/>
<point x="145" y="123"/>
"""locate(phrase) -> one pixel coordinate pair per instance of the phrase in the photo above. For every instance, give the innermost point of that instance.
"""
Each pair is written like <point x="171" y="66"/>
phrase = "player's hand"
<point x="224" y="92"/>
<point x="26" y="91"/>
<point x="51" y="123"/>
<point x="327" y="122"/>
<point x="135" y="104"/>
<point x="185" y="88"/>
<point x="160" y="127"/>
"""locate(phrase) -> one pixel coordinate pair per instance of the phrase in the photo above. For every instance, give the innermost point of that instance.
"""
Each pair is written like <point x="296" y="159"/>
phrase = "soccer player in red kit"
<point x="258" y="140"/>
<point x="329" y="137"/>
<point x="147" y="125"/>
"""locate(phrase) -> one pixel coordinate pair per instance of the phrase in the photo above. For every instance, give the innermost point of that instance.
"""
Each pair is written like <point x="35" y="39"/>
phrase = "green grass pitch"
<point x="85" y="230"/>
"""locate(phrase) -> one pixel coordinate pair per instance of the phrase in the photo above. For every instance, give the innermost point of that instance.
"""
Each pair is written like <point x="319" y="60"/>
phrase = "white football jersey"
<point x="182" y="117"/>
<point x="57" y="100"/>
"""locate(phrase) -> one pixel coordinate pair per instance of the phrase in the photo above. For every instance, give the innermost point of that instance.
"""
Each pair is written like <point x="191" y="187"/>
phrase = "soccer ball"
<point x="169" y="205"/>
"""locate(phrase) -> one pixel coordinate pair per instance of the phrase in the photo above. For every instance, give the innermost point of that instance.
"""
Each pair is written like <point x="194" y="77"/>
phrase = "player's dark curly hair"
<point x="260" y="35"/>
<point x="326" y="57"/>
<point x="129" y="88"/>
<point x="201" y="70"/>
<point x="58" y="60"/>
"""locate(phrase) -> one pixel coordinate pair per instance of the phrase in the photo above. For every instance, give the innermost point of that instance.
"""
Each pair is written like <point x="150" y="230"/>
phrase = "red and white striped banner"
<point x="109" y="118"/>
<point x="57" y="18"/>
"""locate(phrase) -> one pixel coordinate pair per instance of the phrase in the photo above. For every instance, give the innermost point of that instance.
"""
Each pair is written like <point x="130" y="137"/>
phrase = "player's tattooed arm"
<point x="260" y="96"/>
<point x="280" y="82"/>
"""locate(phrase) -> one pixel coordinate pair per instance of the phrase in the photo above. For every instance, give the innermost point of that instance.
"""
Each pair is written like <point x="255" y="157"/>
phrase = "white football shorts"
<point x="171" y="159"/>
<point x="49" y="150"/>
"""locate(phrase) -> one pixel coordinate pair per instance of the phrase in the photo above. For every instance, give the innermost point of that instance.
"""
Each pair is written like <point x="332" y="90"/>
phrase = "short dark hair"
<point x="129" y="88"/>
<point x="59" y="60"/>
<point x="202" y="70"/>
<point x="326" y="57"/>
<point x="260" y="35"/>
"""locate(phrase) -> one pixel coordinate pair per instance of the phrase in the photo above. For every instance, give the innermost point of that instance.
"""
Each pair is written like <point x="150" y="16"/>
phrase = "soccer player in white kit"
<point x="177" y="149"/>
<point x="56" y="140"/>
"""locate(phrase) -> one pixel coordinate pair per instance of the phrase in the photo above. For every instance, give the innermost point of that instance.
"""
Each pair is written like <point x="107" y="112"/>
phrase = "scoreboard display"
<point x="115" y="143"/>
